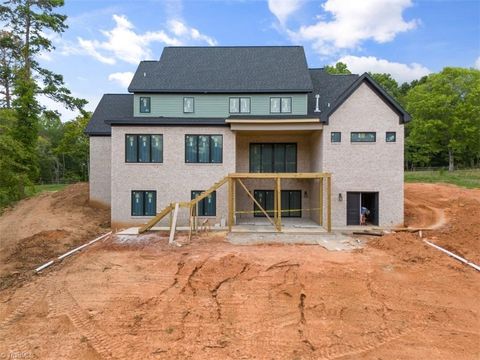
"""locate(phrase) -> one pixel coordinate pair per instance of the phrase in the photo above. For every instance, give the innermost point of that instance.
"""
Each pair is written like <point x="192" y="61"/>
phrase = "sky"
<point x="106" y="39"/>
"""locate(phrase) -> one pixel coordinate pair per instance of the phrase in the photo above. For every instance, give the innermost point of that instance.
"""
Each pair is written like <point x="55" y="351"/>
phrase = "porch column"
<point x="230" y="203"/>
<point x="329" y="203"/>
<point x="320" y="201"/>
<point x="278" y="197"/>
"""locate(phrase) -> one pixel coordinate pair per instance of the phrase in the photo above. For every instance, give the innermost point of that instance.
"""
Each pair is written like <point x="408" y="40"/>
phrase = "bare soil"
<point x="141" y="299"/>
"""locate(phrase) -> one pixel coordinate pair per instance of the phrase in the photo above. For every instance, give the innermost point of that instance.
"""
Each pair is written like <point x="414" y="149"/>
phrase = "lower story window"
<point x="365" y="136"/>
<point x="203" y="148"/>
<point x="391" y="136"/>
<point x="144" y="203"/>
<point x="207" y="206"/>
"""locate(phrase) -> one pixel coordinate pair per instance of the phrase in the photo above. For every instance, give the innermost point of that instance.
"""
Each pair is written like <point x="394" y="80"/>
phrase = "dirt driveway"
<point x="395" y="299"/>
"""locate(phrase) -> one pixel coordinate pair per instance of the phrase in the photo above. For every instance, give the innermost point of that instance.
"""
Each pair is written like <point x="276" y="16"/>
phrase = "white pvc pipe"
<point x="41" y="267"/>
<point x="465" y="261"/>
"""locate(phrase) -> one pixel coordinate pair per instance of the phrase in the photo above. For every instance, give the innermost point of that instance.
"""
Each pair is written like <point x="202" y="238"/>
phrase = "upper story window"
<point x="391" y="136"/>
<point x="280" y="105"/>
<point x="365" y="136"/>
<point x="144" y="104"/>
<point x="144" y="203"/>
<point x="239" y="105"/>
<point x="203" y="148"/>
<point x="336" y="136"/>
<point x="188" y="105"/>
<point x="143" y="148"/>
<point x="268" y="158"/>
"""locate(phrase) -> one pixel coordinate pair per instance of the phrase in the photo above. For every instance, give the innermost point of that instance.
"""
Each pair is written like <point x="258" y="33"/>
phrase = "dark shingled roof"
<point x="225" y="69"/>
<point x="117" y="109"/>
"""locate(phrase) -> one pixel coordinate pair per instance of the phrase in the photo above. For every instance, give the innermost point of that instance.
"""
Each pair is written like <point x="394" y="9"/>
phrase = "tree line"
<point x="445" y="109"/>
<point x="35" y="145"/>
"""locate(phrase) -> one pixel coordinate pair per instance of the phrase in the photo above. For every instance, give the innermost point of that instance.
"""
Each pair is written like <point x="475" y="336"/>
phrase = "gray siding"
<point x="171" y="105"/>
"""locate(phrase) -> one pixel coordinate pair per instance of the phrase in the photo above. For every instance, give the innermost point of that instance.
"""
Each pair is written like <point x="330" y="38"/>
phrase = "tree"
<point x="30" y="20"/>
<point x="338" y="68"/>
<point x="9" y="45"/>
<point x="446" y="116"/>
<point x="388" y="83"/>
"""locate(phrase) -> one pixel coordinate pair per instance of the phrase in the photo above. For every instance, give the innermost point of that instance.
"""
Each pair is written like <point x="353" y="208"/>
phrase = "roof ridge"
<point x="233" y="46"/>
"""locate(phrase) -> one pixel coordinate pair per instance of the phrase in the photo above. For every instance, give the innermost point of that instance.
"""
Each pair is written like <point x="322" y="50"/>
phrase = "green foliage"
<point x="446" y="118"/>
<point x="465" y="178"/>
<point x="338" y="68"/>
<point x="388" y="83"/>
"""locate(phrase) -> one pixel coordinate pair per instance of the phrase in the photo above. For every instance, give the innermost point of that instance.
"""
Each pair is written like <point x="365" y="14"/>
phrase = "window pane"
<point x="245" y="105"/>
<point x="203" y="149"/>
<point x="274" y="105"/>
<point x="255" y="158"/>
<point x="279" y="157"/>
<point x="144" y="104"/>
<point x="336" y="136"/>
<point x="291" y="158"/>
<point x="150" y="203"/>
<point x="234" y="105"/>
<point x="200" y="205"/>
<point x="286" y="105"/>
<point x="188" y="104"/>
<point x="267" y="158"/>
<point x="191" y="154"/>
<point x="269" y="202"/>
<point x="157" y="148"/>
<point x="216" y="148"/>
<point x="144" y="148"/>
<point x="363" y="137"/>
<point x="391" y="136"/>
<point x="210" y="204"/>
<point x="295" y="199"/>
<point x="137" y="203"/>
<point x="131" y="148"/>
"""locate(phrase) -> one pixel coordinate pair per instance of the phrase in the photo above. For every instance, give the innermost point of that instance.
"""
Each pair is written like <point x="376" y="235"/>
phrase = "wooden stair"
<point x="169" y="208"/>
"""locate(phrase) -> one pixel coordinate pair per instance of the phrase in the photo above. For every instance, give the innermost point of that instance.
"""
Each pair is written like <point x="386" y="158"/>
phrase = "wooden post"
<point x="234" y="201"/>
<point x="329" y="204"/>
<point x="320" y="200"/>
<point x="278" y="195"/>
<point x="230" y="204"/>
<point x="174" y="225"/>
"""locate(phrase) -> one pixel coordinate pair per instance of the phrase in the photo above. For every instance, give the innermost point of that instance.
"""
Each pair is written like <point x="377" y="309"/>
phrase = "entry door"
<point x="291" y="202"/>
<point x="353" y="208"/>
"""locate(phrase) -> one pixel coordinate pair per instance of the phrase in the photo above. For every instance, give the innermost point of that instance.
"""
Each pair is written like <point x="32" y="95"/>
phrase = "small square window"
<point x="336" y="136"/>
<point x="391" y="136"/>
<point x="188" y="105"/>
<point x="275" y="105"/>
<point x="244" y="105"/>
<point x="286" y="105"/>
<point x="144" y="104"/>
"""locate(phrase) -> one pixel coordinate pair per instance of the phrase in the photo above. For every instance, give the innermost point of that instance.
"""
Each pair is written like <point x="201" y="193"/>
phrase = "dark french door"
<point x="291" y="202"/>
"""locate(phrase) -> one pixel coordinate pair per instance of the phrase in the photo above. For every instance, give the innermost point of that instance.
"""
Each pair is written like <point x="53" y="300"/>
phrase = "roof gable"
<point x="386" y="97"/>
<point x="237" y="69"/>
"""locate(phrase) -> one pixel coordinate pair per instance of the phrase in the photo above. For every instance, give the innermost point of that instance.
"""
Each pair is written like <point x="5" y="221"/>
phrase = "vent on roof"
<point x="317" y="98"/>
<point x="144" y="74"/>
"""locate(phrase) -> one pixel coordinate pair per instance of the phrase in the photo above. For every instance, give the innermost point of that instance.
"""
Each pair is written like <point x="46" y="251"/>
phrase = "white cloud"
<point x="400" y="72"/>
<point x="346" y="24"/>
<point x="282" y="9"/>
<point x="477" y="63"/>
<point x="122" y="78"/>
<point x="124" y="43"/>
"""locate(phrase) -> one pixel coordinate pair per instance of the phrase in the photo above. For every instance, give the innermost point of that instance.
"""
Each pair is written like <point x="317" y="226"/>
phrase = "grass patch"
<point x="37" y="189"/>
<point x="465" y="178"/>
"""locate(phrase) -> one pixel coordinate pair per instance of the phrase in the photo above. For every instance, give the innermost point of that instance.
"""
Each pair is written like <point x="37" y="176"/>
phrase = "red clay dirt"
<point x="141" y="299"/>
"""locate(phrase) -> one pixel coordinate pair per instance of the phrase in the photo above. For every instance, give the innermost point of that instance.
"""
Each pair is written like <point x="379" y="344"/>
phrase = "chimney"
<point x="317" y="98"/>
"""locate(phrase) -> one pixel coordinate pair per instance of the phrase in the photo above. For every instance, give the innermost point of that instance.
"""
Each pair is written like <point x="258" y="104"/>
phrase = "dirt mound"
<point x="39" y="228"/>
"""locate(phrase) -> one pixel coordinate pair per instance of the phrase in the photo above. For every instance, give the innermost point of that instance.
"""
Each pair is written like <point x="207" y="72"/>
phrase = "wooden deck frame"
<point x="232" y="179"/>
<point x="277" y="212"/>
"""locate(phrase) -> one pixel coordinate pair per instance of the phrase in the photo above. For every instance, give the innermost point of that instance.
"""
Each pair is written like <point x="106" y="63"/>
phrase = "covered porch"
<point x="276" y="218"/>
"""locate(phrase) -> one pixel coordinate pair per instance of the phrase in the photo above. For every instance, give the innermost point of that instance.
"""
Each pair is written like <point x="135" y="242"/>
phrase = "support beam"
<point x="256" y="202"/>
<point x="320" y="200"/>
<point x="174" y="225"/>
<point x="329" y="204"/>
<point x="230" y="204"/>
<point x="278" y="195"/>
